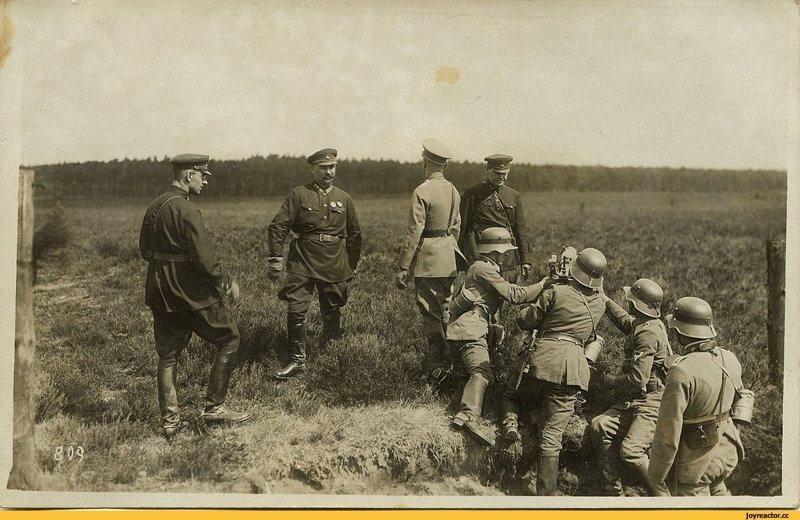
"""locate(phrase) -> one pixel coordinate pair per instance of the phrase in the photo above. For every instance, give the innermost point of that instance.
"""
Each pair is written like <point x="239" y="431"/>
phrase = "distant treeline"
<point x="276" y="175"/>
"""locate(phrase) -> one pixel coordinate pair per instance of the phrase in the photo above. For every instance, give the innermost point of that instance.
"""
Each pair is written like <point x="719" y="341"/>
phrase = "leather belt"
<point x="708" y="419"/>
<point x="166" y="257"/>
<point x="322" y="237"/>
<point x="560" y="336"/>
<point x="654" y="386"/>
<point x="436" y="233"/>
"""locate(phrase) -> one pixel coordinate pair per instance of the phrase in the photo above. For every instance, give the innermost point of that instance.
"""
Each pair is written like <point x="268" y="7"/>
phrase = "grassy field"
<point x="364" y="419"/>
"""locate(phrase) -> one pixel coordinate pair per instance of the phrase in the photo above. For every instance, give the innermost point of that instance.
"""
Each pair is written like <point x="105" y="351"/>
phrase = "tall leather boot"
<point x="547" y="475"/>
<point x="215" y="409"/>
<point x="331" y="327"/>
<point x="168" y="398"/>
<point x="471" y="407"/>
<point x="296" y="330"/>
<point x="609" y="470"/>
<point x="640" y="469"/>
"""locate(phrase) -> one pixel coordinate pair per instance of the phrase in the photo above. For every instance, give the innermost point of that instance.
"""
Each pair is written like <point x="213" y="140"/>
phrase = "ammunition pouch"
<point x="702" y="432"/>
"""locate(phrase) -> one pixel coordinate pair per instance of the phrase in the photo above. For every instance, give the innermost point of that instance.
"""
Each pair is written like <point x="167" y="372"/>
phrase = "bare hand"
<point x="526" y="270"/>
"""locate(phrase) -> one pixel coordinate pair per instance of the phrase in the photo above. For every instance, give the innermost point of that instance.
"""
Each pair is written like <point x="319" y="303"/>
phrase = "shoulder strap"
<point x="155" y="217"/>
<point x="591" y="314"/>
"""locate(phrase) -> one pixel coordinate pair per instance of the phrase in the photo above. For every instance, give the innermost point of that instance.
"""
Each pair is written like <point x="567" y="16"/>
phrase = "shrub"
<point x="51" y="232"/>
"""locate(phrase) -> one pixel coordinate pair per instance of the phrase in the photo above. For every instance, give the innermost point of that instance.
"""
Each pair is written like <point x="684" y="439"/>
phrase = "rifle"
<point x="529" y="345"/>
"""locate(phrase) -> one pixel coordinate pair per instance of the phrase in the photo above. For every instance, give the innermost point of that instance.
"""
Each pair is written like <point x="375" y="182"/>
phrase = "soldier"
<point x="431" y="245"/>
<point x="565" y="317"/>
<point x="633" y="419"/>
<point x="493" y="204"/>
<point x="184" y="289"/>
<point x="324" y="255"/>
<point x="696" y="444"/>
<point x="471" y="313"/>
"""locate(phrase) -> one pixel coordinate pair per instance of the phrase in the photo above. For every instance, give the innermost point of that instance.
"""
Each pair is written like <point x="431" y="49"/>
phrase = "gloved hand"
<point x="400" y="278"/>
<point x="233" y="292"/>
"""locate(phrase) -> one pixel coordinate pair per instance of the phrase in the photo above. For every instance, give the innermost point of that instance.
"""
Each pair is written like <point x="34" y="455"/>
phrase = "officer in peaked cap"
<point x="184" y="289"/>
<point x="492" y="203"/>
<point x="631" y="422"/>
<point x="696" y="445"/>
<point x="430" y="249"/>
<point x="566" y="318"/>
<point x="324" y="255"/>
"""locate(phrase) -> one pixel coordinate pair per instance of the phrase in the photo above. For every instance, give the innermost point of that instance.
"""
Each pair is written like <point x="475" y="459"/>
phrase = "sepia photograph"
<point x="517" y="254"/>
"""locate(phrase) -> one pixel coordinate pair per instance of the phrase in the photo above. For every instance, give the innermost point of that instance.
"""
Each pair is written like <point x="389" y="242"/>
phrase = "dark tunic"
<point x="484" y="206"/>
<point x="309" y="210"/>
<point x="193" y="279"/>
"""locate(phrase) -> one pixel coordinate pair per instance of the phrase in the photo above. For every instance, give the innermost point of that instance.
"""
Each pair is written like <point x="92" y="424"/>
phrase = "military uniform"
<point x="566" y="317"/>
<point x="696" y="444"/>
<point x="324" y="254"/>
<point x="633" y="418"/>
<point x="486" y="205"/>
<point x="429" y="253"/>
<point x="483" y="292"/>
<point x="184" y="288"/>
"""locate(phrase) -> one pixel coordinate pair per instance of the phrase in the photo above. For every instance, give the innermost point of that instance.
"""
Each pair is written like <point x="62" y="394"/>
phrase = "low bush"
<point x="51" y="231"/>
<point x="364" y="368"/>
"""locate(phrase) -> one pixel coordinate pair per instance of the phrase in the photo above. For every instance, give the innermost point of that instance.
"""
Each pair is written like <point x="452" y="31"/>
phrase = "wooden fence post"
<point x="776" y="286"/>
<point x="24" y="469"/>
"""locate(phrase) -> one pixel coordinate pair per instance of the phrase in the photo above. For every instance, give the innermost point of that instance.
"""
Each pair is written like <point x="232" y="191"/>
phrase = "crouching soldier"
<point x="472" y="311"/>
<point x="633" y="419"/>
<point x="696" y="444"/>
<point x="552" y="374"/>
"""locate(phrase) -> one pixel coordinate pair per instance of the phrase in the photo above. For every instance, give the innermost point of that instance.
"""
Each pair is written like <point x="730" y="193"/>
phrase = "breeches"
<point x="173" y="331"/>
<point x="634" y="425"/>
<point x="556" y="406"/>
<point x="298" y="291"/>
<point x="433" y="302"/>
<point x="474" y="356"/>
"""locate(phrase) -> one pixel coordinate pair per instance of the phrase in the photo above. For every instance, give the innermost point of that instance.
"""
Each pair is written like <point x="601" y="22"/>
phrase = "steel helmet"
<point x="588" y="268"/>
<point x="646" y="295"/>
<point x="495" y="239"/>
<point x="692" y="318"/>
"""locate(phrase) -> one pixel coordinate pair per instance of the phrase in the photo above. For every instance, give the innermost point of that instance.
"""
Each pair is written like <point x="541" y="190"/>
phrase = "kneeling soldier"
<point x="633" y="418"/>
<point x="472" y="312"/>
<point x="184" y="289"/>
<point x="566" y="317"/>
<point x="696" y="445"/>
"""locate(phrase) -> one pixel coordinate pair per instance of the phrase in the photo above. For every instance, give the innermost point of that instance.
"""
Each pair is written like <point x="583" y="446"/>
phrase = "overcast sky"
<point x="641" y="83"/>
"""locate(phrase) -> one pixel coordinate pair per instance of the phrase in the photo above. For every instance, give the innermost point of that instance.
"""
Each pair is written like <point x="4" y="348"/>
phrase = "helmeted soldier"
<point x="491" y="203"/>
<point x="430" y="248"/>
<point x="324" y="254"/>
<point x="631" y="422"/>
<point x="472" y="312"/>
<point x="696" y="444"/>
<point x="565" y="317"/>
<point x="184" y="289"/>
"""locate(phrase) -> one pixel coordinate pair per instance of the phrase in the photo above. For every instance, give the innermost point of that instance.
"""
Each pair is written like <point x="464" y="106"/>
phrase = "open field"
<point x="364" y="419"/>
